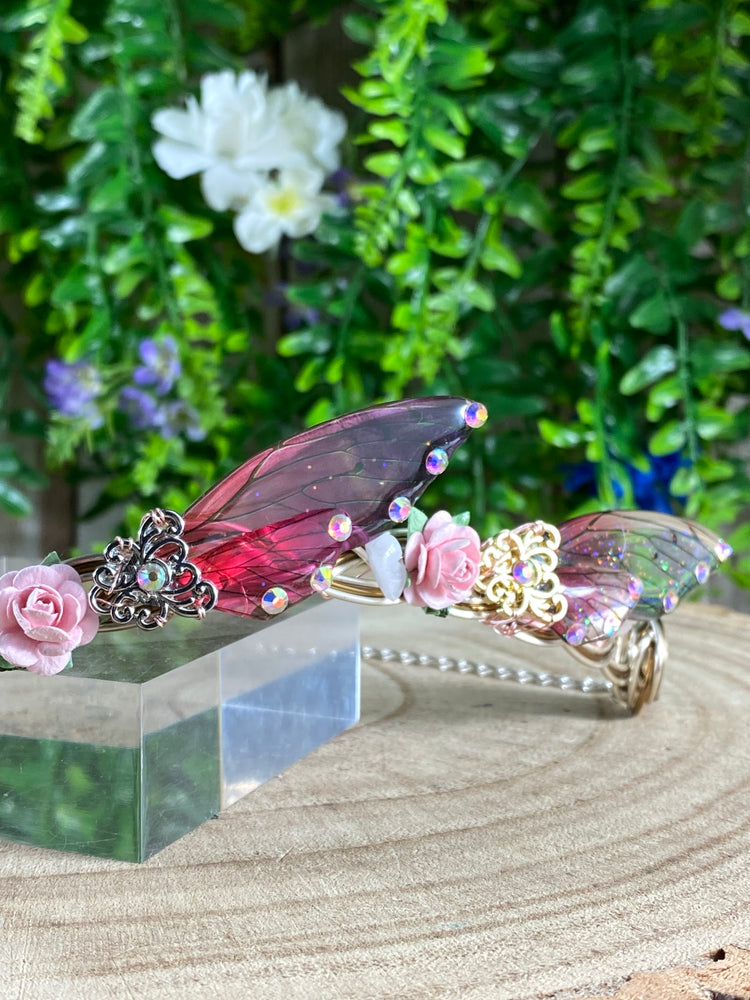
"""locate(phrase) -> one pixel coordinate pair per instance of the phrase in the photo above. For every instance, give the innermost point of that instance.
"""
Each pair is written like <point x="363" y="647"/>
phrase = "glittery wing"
<point x="621" y="565"/>
<point x="295" y="507"/>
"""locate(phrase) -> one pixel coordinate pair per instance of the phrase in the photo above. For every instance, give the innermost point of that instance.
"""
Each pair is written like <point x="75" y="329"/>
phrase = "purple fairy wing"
<point x="620" y="565"/>
<point x="295" y="507"/>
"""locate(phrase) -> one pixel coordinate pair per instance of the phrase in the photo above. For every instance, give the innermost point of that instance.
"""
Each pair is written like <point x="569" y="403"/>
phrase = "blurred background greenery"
<point x="545" y="205"/>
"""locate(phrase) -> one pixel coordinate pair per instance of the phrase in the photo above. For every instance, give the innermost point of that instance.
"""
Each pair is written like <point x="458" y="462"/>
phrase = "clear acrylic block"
<point x="151" y="733"/>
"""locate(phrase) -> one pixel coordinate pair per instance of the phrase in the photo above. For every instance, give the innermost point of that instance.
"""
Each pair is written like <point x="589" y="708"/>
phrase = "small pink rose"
<point x="44" y="615"/>
<point x="442" y="561"/>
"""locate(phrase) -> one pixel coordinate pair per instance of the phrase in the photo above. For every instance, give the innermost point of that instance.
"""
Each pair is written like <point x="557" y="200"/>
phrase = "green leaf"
<point x="478" y="296"/>
<point x="587" y="187"/>
<point x="559" y="435"/>
<point x="499" y="257"/>
<point x="656" y="363"/>
<point x="417" y="520"/>
<point x="534" y="65"/>
<point x="729" y="287"/>
<point x="99" y="117"/>
<point x="445" y="141"/>
<point x="653" y="315"/>
<point x="669" y="438"/>
<point x="181" y="227"/>
<point x="383" y="164"/>
<point x="685" y="481"/>
<point x="690" y="228"/>
<point x="392" y="129"/>
<point x="13" y="502"/>
<point x="713" y="421"/>
<point x="714" y="357"/>
<point x="312" y="340"/>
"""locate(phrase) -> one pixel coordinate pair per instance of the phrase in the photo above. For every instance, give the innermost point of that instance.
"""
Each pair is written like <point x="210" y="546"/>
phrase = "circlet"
<point x="333" y="511"/>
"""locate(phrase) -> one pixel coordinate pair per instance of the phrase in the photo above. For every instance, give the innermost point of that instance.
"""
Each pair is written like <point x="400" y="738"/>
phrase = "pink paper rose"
<point x="442" y="561"/>
<point x="44" y="615"/>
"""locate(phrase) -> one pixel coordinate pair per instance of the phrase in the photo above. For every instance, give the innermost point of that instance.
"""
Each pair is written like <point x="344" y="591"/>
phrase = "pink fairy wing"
<point x="267" y="523"/>
<point x="621" y="565"/>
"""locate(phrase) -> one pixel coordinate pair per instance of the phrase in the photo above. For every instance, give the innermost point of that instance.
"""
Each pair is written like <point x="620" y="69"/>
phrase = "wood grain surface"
<point x="469" y="839"/>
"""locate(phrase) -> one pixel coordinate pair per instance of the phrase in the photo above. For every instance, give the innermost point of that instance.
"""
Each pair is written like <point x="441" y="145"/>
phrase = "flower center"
<point x="285" y="201"/>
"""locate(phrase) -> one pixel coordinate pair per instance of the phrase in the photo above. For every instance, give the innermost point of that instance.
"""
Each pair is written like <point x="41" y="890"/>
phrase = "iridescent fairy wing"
<point x="274" y="521"/>
<point x="621" y="565"/>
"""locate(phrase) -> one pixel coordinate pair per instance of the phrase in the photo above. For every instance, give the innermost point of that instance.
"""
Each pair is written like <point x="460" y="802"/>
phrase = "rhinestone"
<point x="575" y="634"/>
<point x="274" y="601"/>
<point x="151" y="576"/>
<point x="524" y="573"/>
<point x="723" y="550"/>
<point x="322" y="578"/>
<point x="609" y="624"/>
<point x="399" y="509"/>
<point x="475" y="414"/>
<point x="340" y="527"/>
<point x="437" y="461"/>
<point x="701" y="572"/>
<point x="670" y="601"/>
<point x="635" y="588"/>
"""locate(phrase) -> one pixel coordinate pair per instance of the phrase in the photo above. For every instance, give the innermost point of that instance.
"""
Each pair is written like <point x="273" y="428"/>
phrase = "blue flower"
<point x="141" y="408"/>
<point x="72" y="390"/>
<point x="161" y="364"/>
<point x="736" y="319"/>
<point x="181" y="419"/>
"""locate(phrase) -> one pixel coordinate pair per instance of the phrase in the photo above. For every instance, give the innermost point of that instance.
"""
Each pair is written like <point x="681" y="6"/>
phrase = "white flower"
<point x="238" y="134"/>
<point x="288" y="205"/>
<point x="316" y="130"/>
<point x="386" y="558"/>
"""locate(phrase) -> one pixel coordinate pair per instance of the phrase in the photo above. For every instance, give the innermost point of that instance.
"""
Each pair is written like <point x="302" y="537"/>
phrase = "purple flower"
<point x="142" y="409"/>
<point x="161" y="364"/>
<point x="72" y="390"/>
<point x="181" y="419"/>
<point x="340" y="180"/>
<point x="736" y="319"/>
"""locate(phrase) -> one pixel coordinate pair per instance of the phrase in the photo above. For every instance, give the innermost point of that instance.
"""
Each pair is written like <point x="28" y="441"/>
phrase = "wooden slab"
<point x="470" y="839"/>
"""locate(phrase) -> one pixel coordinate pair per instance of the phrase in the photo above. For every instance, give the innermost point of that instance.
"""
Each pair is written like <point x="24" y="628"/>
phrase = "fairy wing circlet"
<point x="268" y="523"/>
<point x="624" y="565"/>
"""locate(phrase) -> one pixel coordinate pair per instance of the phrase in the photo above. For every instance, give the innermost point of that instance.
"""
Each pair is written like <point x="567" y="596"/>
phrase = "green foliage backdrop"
<point x="549" y="211"/>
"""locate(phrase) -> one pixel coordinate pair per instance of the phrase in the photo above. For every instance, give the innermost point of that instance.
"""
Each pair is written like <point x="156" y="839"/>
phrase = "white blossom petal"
<point x="178" y="160"/>
<point x="386" y="558"/>
<point x="175" y="124"/>
<point x="257" y="231"/>
<point x="225" y="188"/>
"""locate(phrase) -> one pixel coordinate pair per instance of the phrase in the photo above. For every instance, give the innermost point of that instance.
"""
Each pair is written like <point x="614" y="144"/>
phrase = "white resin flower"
<point x="386" y="559"/>
<point x="288" y="205"/>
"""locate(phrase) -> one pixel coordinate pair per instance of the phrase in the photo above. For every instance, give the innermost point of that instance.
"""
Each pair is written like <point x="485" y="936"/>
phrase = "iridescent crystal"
<point x="399" y="509"/>
<point x="274" y="601"/>
<point x="702" y="571"/>
<point x="436" y="461"/>
<point x="151" y="576"/>
<point x="575" y="634"/>
<point x="670" y="601"/>
<point x="340" y="527"/>
<point x="475" y="414"/>
<point x="524" y="573"/>
<point x="723" y="550"/>
<point x="322" y="578"/>
<point x="610" y="624"/>
<point x="635" y="588"/>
